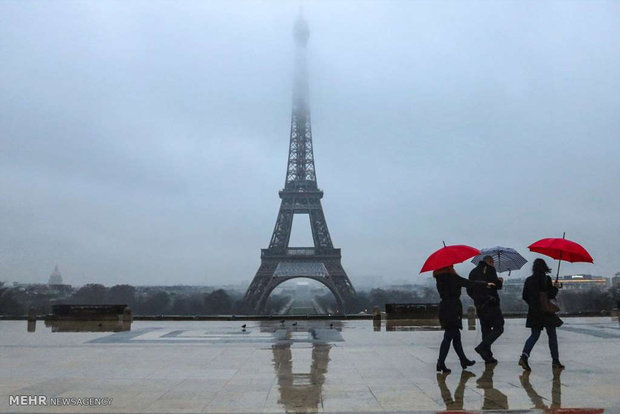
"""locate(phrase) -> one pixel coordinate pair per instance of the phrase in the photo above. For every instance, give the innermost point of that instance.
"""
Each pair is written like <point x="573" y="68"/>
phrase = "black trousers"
<point x="451" y="336"/>
<point x="491" y="326"/>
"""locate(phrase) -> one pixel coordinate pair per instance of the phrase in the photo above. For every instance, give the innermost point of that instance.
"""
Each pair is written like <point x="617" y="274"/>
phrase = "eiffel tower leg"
<point x="282" y="229"/>
<point x="342" y="285"/>
<point x="320" y="233"/>
<point x="258" y="286"/>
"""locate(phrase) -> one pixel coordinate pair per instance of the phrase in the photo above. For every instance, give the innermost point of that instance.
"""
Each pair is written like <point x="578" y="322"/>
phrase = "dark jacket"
<point x="483" y="296"/>
<point x="450" y="308"/>
<point x="532" y="287"/>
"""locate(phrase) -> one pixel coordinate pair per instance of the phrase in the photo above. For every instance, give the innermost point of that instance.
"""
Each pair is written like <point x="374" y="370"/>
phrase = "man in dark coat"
<point x="487" y="306"/>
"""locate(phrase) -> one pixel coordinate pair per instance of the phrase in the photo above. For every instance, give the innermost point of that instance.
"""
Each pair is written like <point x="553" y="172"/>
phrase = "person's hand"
<point x="501" y="279"/>
<point x="490" y="285"/>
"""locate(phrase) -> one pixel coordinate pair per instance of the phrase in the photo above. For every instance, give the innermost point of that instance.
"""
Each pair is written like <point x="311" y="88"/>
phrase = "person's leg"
<point x="485" y="329"/>
<point x="492" y="328"/>
<point x="495" y="330"/>
<point x="458" y="346"/>
<point x="448" y="334"/>
<point x="483" y="348"/>
<point x="527" y="348"/>
<point x="553" y="343"/>
<point x="498" y="330"/>
<point x="531" y="341"/>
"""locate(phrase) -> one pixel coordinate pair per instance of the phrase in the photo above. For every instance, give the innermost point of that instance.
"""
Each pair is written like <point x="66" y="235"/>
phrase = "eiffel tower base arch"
<point x="277" y="269"/>
<point x="276" y="281"/>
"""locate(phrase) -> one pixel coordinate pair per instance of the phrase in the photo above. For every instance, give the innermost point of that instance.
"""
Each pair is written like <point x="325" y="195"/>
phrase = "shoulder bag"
<point x="546" y="305"/>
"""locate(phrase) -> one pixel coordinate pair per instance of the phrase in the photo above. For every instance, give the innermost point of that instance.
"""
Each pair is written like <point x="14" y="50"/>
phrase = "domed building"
<point x="55" y="277"/>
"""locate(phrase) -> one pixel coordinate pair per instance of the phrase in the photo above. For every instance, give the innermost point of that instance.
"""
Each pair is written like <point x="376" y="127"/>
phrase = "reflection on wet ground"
<point x="300" y="391"/>
<point x="412" y="325"/>
<point x="87" y="326"/>
<point x="456" y="402"/>
<point x="302" y="366"/>
<point x="494" y="399"/>
<point x="537" y="400"/>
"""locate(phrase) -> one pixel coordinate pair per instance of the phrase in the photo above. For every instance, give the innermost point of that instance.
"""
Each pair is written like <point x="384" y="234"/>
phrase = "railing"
<point x="303" y="251"/>
<point x="300" y="251"/>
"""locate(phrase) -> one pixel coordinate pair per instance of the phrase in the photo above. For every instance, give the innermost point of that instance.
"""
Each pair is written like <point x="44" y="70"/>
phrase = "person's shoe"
<point x="524" y="364"/>
<point x="441" y="367"/>
<point x="467" y="363"/>
<point x="557" y="364"/>
<point x="484" y="354"/>
<point x="491" y="361"/>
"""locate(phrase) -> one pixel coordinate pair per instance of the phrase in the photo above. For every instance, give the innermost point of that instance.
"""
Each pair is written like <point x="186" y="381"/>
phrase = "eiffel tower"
<point x="300" y="195"/>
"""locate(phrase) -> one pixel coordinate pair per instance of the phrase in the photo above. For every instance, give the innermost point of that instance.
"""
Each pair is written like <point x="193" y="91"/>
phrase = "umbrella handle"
<point x="499" y="260"/>
<point x="557" y="275"/>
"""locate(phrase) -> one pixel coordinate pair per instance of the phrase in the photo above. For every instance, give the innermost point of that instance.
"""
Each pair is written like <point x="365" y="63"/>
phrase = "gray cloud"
<point x="145" y="142"/>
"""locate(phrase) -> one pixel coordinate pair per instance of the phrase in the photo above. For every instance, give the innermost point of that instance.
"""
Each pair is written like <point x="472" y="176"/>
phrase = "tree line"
<point x="17" y="301"/>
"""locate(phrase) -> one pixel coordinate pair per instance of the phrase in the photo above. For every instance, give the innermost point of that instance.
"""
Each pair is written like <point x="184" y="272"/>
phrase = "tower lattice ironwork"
<point x="300" y="195"/>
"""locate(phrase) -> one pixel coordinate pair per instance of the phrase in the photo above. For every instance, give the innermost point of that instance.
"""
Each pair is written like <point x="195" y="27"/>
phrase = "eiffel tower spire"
<point x="300" y="174"/>
<point x="300" y="195"/>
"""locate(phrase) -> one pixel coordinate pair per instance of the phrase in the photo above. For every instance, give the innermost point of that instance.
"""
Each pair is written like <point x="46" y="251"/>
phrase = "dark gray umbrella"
<point x="505" y="258"/>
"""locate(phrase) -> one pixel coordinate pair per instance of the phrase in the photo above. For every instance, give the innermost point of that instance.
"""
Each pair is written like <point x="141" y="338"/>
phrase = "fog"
<point x="145" y="142"/>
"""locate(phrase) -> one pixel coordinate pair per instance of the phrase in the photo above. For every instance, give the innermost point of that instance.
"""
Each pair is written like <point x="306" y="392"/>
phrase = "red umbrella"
<point x="561" y="249"/>
<point x="449" y="255"/>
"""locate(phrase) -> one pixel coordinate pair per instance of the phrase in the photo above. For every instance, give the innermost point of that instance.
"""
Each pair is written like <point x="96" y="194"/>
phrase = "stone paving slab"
<point x="216" y="367"/>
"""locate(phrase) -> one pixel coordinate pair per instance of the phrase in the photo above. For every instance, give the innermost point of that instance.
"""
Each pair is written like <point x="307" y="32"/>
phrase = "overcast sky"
<point x="145" y="142"/>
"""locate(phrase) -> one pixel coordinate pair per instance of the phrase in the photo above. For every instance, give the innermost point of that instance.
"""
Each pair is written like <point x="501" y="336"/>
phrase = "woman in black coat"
<point x="537" y="318"/>
<point x="449" y="286"/>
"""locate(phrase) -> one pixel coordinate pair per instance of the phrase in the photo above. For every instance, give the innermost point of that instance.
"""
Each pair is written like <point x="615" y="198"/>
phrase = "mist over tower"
<point x="301" y="31"/>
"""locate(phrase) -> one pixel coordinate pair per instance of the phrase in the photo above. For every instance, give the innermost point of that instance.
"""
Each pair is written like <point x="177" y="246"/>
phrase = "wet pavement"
<point x="303" y="366"/>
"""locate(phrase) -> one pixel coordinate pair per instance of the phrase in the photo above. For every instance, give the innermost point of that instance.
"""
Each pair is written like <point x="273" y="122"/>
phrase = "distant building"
<point x="513" y="285"/>
<point x="615" y="281"/>
<point x="55" y="277"/>
<point x="568" y="282"/>
<point x="583" y="282"/>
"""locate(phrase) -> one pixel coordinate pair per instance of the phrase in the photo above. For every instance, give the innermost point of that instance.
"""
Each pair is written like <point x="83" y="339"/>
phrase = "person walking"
<point x="537" y="290"/>
<point x="449" y="285"/>
<point x="487" y="307"/>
